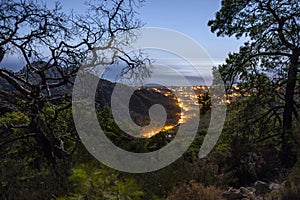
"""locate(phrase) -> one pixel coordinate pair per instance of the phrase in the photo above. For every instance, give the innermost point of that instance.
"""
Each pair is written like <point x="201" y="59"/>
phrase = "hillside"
<point x="139" y="105"/>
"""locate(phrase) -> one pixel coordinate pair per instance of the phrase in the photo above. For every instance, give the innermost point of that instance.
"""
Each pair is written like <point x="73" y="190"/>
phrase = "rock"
<point x="249" y="192"/>
<point x="256" y="192"/>
<point x="233" y="194"/>
<point x="275" y="186"/>
<point x="261" y="188"/>
<point x="251" y="189"/>
<point x="245" y="190"/>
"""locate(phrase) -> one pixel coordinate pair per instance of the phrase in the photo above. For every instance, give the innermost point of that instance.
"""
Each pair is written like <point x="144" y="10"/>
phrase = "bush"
<point x="251" y="162"/>
<point x="292" y="186"/>
<point x="195" y="191"/>
<point x="90" y="181"/>
<point x="292" y="193"/>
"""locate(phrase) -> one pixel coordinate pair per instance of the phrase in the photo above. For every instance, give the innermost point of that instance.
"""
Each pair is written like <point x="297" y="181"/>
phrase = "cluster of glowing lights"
<point x="184" y="115"/>
<point x="150" y="133"/>
<point x="184" y="106"/>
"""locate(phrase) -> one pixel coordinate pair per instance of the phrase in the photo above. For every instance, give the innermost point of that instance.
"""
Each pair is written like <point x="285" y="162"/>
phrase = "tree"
<point x="267" y="65"/>
<point x="205" y="101"/>
<point x="53" y="46"/>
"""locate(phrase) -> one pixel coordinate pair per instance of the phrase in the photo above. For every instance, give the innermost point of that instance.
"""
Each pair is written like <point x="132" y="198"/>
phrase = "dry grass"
<point x="195" y="191"/>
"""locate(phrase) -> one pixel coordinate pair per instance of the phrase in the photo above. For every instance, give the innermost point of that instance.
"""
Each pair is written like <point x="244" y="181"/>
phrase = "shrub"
<point x="98" y="182"/>
<point x="292" y="187"/>
<point x="292" y="193"/>
<point x="195" y="191"/>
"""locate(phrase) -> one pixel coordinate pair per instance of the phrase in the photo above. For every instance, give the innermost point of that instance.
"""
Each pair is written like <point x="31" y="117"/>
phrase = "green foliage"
<point x="249" y="119"/>
<point x="14" y="118"/>
<point x="98" y="182"/>
<point x="205" y="102"/>
<point x="191" y="154"/>
<point x="266" y="66"/>
<point x="25" y="173"/>
<point x="160" y="183"/>
<point x="253" y="18"/>
<point x="31" y="178"/>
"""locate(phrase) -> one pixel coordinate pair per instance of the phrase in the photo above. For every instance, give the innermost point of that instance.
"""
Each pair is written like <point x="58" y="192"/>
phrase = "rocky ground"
<point x="259" y="191"/>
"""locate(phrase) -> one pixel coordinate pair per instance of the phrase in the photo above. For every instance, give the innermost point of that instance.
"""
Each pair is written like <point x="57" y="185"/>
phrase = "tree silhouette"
<point x="267" y="65"/>
<point x="53" y="46"/>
